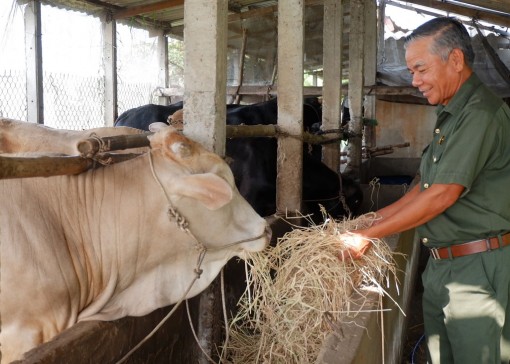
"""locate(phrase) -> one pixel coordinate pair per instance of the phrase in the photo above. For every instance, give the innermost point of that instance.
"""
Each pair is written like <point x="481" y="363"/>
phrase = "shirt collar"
<point x="461" y="97"/>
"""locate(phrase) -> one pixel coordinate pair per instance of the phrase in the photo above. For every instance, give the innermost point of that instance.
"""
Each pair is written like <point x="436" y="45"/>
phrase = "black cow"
<point x="253" y="160"/>
<point x="141" y="117"/>
<point x="254" y="165"/>
<point x="266" y="113"/>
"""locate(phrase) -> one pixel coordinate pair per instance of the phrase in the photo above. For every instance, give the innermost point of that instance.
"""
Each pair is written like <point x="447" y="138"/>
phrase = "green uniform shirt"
<point x="470" y="147"/>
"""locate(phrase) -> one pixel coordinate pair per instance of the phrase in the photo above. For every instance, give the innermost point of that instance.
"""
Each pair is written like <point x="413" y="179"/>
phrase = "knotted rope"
<point x="183" y="224"/>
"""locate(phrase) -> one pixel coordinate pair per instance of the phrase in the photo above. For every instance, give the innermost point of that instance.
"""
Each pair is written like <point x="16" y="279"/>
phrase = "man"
<point x="461" y="208"/>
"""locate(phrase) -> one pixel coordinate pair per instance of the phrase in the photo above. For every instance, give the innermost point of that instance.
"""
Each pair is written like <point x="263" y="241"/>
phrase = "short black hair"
<point x="448" y="33"/>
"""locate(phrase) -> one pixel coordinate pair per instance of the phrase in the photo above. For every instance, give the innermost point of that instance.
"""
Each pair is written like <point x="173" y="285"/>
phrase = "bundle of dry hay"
<point x="299" y="286"/>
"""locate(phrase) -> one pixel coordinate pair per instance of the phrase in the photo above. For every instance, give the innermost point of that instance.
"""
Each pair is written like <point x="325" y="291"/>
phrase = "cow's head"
<point x="204" y="192"/>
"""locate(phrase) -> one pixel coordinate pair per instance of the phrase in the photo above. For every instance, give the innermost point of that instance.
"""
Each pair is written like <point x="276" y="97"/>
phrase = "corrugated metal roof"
<point x="259" y="17"/>
<point x="164" y="13"/>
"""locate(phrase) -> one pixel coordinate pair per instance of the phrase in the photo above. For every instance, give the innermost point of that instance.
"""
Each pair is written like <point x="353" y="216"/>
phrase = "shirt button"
<point x="437" y="131"/>
<point x="424" y="240"/>
<point x="435" y="159"/>
<point x="426" y="185"/>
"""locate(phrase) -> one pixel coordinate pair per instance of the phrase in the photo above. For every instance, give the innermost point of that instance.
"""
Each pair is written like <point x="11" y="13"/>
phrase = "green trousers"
<point x="466" y="308"/>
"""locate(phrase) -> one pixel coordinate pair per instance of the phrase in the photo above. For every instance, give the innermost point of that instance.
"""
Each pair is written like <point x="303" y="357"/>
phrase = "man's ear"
<point x="457" y="57"/>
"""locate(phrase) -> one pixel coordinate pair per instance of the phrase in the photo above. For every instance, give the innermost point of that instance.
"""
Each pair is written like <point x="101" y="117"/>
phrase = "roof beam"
<point x="266" y="11"/>
<point x="253" y="13"/>
<point x="143" y="9"/>
<point x="103" y="4"/>
<point x="110" y="10"/>
<point x="503" y="20"/>
<point x="410" y="7"/>
<point x="495" y="5"/>
<point x="307" y="90"/>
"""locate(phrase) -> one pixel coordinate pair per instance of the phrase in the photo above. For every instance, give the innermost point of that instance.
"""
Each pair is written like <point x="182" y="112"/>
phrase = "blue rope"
<point x="416" y="346"/>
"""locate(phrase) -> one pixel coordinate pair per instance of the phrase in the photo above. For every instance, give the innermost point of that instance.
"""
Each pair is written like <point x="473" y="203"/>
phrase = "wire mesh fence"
<point x="132" y="95"/>
<point x="70" y="101"/>
<point x="13" y="99"/>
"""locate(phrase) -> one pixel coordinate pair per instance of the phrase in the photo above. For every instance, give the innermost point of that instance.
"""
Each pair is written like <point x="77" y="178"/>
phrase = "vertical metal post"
<point x="110" y="69"/>
<point x="33" y="54"/>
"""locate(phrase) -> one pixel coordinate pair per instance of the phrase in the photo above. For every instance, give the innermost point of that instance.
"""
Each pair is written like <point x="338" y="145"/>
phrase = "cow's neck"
<point x="133" y="235"/>
<point x="123" y="219"/>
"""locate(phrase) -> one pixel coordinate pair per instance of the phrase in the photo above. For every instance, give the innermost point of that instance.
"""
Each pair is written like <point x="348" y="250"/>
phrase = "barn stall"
<point x="339" y="40"/>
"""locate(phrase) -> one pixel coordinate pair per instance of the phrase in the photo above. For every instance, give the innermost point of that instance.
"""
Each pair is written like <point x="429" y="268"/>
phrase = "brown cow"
<point x="106" y="244"/>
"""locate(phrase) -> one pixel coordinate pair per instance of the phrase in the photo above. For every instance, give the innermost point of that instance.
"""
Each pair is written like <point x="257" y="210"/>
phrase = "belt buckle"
<point x="434" y="253"/>
<point x="488" y="244"/>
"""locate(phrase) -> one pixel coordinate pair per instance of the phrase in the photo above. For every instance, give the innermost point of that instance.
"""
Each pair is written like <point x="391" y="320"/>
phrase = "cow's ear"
<point x="162" y="135"/>
<point x="209" y="189"/>
<point x="154" y="127"/>
<point x="181" y="149"/>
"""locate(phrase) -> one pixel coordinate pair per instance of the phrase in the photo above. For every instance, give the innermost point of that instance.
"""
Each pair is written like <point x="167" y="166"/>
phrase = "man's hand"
<point x="356" y="246"/>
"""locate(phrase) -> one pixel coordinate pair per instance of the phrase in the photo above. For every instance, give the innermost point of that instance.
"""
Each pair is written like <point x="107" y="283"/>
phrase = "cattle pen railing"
<point x="95" y="151"/>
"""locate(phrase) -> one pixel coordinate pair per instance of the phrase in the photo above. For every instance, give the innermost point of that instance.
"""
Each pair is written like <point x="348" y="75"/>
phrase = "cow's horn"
<point x="183" y="150"/>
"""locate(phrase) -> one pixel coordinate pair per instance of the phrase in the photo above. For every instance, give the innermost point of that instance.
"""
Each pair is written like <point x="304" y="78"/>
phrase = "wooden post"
<point x="381" y="13"/>
<point x="110" y="67"/>
<point x="289" y="180"/>
<point x="89" y="147"/>
<point x="46" y="166"/>
<point x="370" y="68"/>
<point x="331" y="95"/>
<point x="33" y="54"/>
<point x="43" y="166"/>
<point x="356" y="77"/>
<point x="237" y="97"/>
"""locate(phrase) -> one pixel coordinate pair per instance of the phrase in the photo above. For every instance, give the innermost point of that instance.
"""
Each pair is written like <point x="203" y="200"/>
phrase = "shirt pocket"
<point x="431" y="159"/>
<point x="436" y="154"/>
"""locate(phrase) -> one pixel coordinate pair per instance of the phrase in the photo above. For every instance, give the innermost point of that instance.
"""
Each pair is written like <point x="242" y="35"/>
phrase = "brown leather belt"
<point x="471" y="247"/>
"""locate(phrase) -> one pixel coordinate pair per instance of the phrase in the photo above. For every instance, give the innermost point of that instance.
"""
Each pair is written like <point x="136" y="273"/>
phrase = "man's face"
<point x="438" y="80"/>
